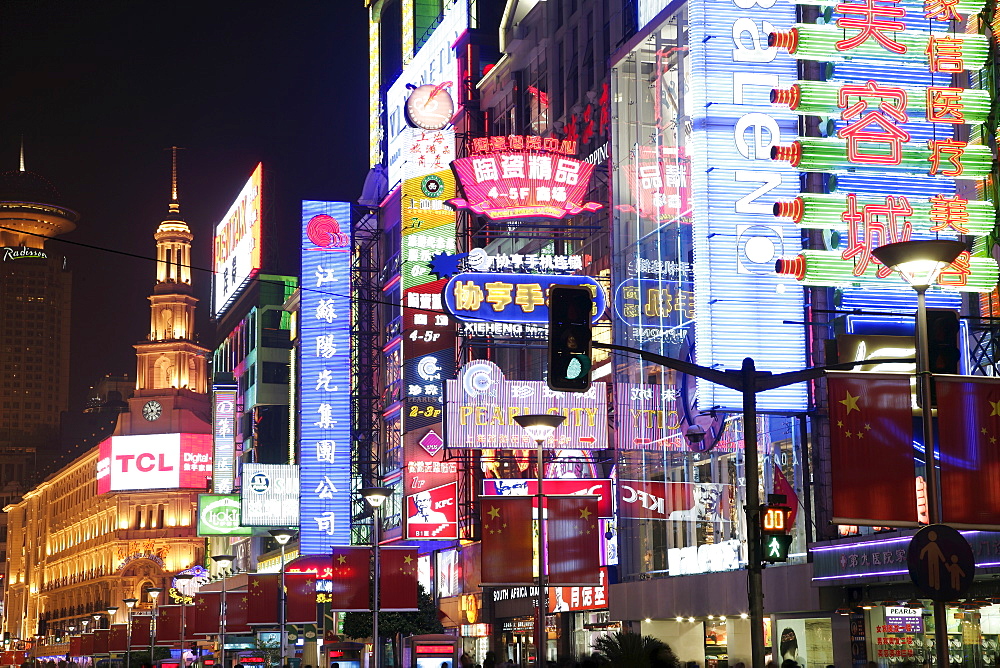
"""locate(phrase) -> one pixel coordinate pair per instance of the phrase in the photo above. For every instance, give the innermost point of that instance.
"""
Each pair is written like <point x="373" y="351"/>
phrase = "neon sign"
<point x="523" y="177"/>
<point x="518" y="298"/>
<point x="236" y="247"/>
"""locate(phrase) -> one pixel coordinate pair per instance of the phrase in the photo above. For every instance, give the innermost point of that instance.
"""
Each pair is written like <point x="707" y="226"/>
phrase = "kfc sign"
<point x="601" y="488"/>
<point x="678" y="501"/>
<point x="154" y="461"/>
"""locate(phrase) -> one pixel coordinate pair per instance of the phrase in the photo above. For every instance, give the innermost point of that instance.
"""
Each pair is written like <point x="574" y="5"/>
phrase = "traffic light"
<point x="942" y="341"/>
<point x="570" y="311"/>
<point x="774" y="528"/>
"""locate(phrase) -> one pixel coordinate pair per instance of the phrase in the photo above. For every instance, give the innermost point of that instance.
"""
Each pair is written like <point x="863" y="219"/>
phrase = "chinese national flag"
<point x="969" y="429"/>
<point x="350" y="577"/>
<point x="265" y="598"/>
<point x="205" y="619"/>
<point x="101" y="637"/>
<point x="781" y="486"/>
<point x="237" y="604"/>
<point x="507" y="545"/>
<point x="140" y="631"/>
<point x="75" y="646"/>
<point x="871" y="449"/>
<point x="87" y="644"/>
<point x="573" y="537"/>
<point x="397" y="583"/>
<point x="300" y="598"/>
<point x="118" y="638"/>
<point x="168" y="624"/>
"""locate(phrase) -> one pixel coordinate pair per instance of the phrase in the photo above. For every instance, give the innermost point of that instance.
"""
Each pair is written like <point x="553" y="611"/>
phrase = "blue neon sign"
<point x="325" y="404"/>
<point x="518" y="298"/>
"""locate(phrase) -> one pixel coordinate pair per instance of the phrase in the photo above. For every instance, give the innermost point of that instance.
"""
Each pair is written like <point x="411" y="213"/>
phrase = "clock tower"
<point x="171" y="369"/>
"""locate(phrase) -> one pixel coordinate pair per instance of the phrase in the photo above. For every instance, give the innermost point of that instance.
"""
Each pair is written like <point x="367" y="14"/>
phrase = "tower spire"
<point x="22" y="154"/>
<point x="175" y="206"/>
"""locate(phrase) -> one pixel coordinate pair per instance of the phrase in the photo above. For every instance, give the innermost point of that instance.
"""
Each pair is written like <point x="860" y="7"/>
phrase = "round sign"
<point x="259" y="482"/>
<point x="941" y="563"/>
<point x="430" y="107"/>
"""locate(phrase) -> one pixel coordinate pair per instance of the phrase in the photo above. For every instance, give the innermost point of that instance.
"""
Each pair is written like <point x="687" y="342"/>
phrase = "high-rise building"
<point x="35" y="291"/>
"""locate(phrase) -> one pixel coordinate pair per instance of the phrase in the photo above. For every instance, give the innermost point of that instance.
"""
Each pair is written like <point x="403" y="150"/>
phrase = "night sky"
<point x="100" y="89"/>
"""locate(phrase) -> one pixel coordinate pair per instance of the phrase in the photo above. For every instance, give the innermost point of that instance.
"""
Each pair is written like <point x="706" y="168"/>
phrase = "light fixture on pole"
<point x="282" y="536"/>
<point x="129" y="603"/>
<point x="376" y="496"/>
<point x="154" y="594"/>
<point x="920" y="262"/>
<point x="84" y="622"/>
<point x="183" y="578"/>
<point x="224" y="562"/>
<point x="540" y="429"/>
<point x="97" y="620"/>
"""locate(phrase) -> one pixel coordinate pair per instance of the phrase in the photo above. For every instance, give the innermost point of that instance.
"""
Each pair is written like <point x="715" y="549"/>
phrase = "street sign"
<point x="941" y="563"/>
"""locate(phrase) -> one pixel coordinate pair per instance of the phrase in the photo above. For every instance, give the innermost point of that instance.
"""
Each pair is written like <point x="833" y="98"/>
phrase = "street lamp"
<point x="540" y="428"/>
<point x="223" y="561"/>
<point x="376" y="496"/>
<point x="183" y="577"/>
<point x="130" y="603"/>
<point x="97" y="620"/>
<point x="282" y="536"/>
<point x="154" y="594"/>
<point x="920" y="262"/>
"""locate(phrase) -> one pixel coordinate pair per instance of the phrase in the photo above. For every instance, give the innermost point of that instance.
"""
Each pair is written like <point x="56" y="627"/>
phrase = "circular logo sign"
<point x="941" y="563"/>
<point x="222" y="515"/>
<point x="432" y="185"/>
<point x="259" y="483"/>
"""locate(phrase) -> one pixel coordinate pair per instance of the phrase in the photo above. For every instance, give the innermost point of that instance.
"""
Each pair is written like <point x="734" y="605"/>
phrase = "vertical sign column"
<point x="325" y="327"/>
<point x="224" y="435"/>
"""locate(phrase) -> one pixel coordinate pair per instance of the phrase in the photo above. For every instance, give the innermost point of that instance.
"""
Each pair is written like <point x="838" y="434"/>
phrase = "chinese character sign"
<point x="223" y="431"/>
<point x="325" y="405"/>
<point x="520" y="298"/>
<point x="523" y="177"/>
<point x="236" y="246"/>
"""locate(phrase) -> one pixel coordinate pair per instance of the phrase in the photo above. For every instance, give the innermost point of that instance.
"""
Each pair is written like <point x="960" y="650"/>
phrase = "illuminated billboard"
<point x="601" y="488"/>
<point x="220" y="515"/>
<point x="236" y="246"/>
<point x="154" y="461"/>
<point x="224" y="433"/>
<point x="481" y="404"/>
<point x="270" y="495"/>
<point x="517" y="298"/>
<point x="435" y="63"/>
<point x="523" y="177"/>
<point x="325" y="400"/>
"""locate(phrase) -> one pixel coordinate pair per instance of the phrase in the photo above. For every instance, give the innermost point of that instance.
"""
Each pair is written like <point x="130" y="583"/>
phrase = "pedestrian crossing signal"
<point x="776" y="547"/>
<point x="774" y="519"/>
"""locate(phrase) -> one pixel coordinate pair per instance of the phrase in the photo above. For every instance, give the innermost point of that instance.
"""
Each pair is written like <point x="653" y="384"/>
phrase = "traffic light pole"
<point x="749" y="381"/>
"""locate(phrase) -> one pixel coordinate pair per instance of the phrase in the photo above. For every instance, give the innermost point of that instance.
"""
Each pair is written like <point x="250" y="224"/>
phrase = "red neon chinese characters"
<point x="944" y="105"/>
<point x="874" y="226"/>
<point x="941" y="10"/>
<point x="957" y="273"/>
<point x="949" y="214"/>
<point x="949" y="148"/>
<point x="945" y="54"/>
<point x="875" y="22"/>
<point x="875" y="126"/>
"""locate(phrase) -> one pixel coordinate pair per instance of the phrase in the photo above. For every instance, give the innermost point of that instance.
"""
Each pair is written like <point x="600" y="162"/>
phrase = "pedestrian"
<point x="465" y="660"/>
<point x="490" y="660"/>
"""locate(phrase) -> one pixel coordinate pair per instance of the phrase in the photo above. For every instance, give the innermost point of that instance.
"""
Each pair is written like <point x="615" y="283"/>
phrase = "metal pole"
<point x="755" y="588"/>
<point x="222" y="623"/>
<point x="183" y="624"/>
<point x="128" y="642"/>
<point x="930" y="468"/>
<point x="152" y="633"/>
<point x="284" y="594"/>
<point x="540" y="637"/>
<point x="376" y="650"/>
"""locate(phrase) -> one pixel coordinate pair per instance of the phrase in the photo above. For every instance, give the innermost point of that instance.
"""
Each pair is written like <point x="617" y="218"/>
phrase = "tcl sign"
<point x="154" y="461"/>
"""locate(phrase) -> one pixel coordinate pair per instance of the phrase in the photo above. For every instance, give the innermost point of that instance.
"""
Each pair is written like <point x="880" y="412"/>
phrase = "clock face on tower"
<point x="152" y="410"/>
<point x="430" y="107"/>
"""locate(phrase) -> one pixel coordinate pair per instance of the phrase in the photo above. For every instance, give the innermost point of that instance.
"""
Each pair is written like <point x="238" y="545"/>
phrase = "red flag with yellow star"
<point x="350" y="579"/>
<point x="205" y="619"/>
<point x="572" y="536"/>
<point x="508" y="540"/>
<point x="118" y="638"/>
<point x="871" y="449"/>
<point x="397" y="581"/>
<point x="140" y="630"/>
<point x="265" y="598"/>
<point x="969" y="439"/>
<point x="168" y="623"/>
<point x="237" y="610"/>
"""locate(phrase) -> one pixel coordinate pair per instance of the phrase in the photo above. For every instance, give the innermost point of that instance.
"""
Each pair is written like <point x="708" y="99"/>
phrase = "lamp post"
<point x="540" y="428"/>
<point x="223" y="561"/>
<point x="130" y="603"/>
<point x="183" y="577"/>
<point x="376" y="496"/>
<point x="97" y="620"/>
<point x="920" y="262"/>
<point x="154" y="594"/>
<point x="84" y="622"/>
<point x="282" y="536"/>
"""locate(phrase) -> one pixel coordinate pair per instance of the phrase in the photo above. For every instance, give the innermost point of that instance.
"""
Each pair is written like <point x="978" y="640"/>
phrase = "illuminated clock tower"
<point x="171" y="373"/>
